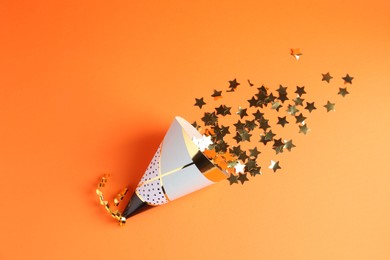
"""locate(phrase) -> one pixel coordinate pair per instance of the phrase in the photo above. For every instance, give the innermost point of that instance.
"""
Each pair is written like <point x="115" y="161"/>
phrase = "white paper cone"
<point x="177" y="169"/>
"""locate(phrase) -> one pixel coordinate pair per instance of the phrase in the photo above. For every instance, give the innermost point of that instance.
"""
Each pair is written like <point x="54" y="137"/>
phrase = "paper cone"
<point x="177" y="169"/>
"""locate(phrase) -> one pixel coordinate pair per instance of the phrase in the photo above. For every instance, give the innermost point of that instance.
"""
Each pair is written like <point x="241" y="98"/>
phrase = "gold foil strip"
<point x="113" y="212"/>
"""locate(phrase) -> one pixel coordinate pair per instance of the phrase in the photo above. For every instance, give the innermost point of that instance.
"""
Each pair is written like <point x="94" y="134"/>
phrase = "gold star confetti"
<point x="241" y="112"/>
<point x="199" y="102"/>
<point x="282" y="121"/>
<point x="326" y="77"/>
<point x="304" y="129"/>
<point x="223" y="110"/>
<point x="292" y="110"/>
<point x="288" y="145"/>
<point x="230" y="145"/>
<point x="276" y="105"/>
<point x="300" y="91"/>
<point x="347" y="79"/>
<point x="217" y="94"/>
<point x="330" y="106"/>
<point x="233" y="84"/>
<point x="253" y="153"/>
<point x="278" y="145"/>
<point x="310" y="106"/>
<point x="298" y="101"/>
<point x="232" y="179"/>
<point x="274" y="165"/>
<point x="300" y="118"/>
<point x="267" y="137"/>
<point x="343" y="92"/>
<point x="242" y="177"/>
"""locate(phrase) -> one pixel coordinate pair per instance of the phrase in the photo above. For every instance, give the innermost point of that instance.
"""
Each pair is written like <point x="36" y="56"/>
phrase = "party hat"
<point x="179" y="167"/>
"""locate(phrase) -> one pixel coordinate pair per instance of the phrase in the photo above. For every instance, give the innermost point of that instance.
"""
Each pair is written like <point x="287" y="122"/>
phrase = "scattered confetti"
<point x="234" y="141"/>
<point x="242" y="112"/>
<point x="217" y="94"/>
<point x="300" y="91"/>
<point x="288" y="145"/>
<point x="343" y="92"/>
<point x="242" y="178"/>
<point x="199" y="102"/>
<point x="233" y="84"/>
<point x="304" y="129"/>
<point x="310" y="106"/>
<point x="232" y="179"/>
<point x="330" y="106"/>
<point x="274" y="166"/>
<point x="347" y="79"/>
<point x="326" y="77"/>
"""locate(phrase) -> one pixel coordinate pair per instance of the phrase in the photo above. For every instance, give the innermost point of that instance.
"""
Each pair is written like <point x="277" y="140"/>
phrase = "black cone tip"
<point x="135" y="206"/>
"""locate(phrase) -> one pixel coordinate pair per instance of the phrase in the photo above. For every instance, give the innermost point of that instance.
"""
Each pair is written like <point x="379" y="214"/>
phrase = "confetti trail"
<point x="237" y="137"/>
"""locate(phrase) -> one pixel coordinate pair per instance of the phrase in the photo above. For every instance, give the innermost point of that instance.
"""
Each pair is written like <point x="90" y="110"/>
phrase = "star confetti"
<point x="288" y="145"/>
<point x="232" y="179"/>
<point x="274" y="165"/>
<point x="223" y="110"/>
<point x="326" y="77"/>
<point x="347" y="79"/>
<point x="304" y="129"/>
<point x="235" y="141"/>
<point x="282" y="121"/>
<point x="233" y="84"/>
<point x="203" y="143"/>
<point x="310" y="106"/>
<point x="242" y="178"/>
<point x="300" y="91"/>
<point x="217" y="94"/>
<point x="329" y="106"/>
<point x="343" y="92"/>
<point x="241" y="112"/>
<point x="199" y="102"/>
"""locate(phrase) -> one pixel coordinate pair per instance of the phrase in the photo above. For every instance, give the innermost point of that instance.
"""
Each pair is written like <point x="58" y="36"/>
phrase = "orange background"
<point x="91" y="87"/>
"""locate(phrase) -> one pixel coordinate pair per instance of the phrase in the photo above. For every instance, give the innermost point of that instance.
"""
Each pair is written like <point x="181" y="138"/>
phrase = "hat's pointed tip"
<point x="135" y="206"/>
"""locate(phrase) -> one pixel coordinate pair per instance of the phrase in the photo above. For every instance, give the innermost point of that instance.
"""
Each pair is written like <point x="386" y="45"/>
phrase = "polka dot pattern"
<point x="152" y="191"/>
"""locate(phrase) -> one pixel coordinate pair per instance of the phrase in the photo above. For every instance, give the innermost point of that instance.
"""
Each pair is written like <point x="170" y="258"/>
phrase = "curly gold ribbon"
<point x="114" y="212"/>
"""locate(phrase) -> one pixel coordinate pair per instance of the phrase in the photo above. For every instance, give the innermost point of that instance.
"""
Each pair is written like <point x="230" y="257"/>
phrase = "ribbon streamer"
<point x="113" y="211"/>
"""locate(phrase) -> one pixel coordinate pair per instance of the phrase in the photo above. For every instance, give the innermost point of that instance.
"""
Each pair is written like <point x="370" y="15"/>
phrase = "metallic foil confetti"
<point x="330" y="106"/>
<point x="347" y="79"/>
<point x="274" y="166"/>
<point x="238" y="139"/>
<point x="113" y="211"/>
<point x="326" y="77"/>
<point x="343" y="92"/>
